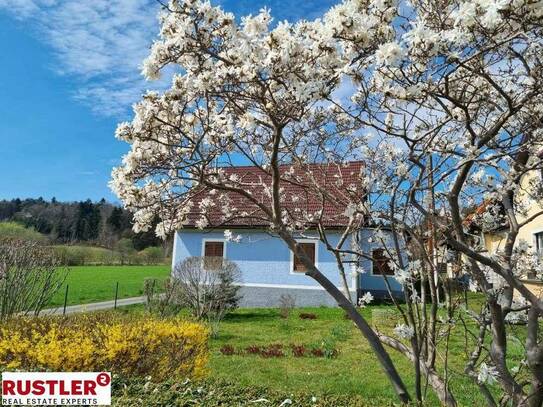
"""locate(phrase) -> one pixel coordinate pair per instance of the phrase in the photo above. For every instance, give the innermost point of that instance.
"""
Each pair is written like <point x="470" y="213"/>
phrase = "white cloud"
<point x="101" y="43"/>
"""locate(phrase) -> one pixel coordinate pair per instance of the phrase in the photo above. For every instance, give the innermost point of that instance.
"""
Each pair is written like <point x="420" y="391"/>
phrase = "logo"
<point x="56" y="388"/>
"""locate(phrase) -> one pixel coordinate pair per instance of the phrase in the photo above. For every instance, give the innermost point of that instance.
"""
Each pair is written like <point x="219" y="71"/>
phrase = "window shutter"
<point x="309" y="250"/>
<point x="380" y="263"/>
<point x="213" y="254"/>
<point x="214" y="249"/>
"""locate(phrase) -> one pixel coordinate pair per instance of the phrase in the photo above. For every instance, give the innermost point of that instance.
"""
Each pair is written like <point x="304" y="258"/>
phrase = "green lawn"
<point x="355" y="371"/>
<point x="97" y="283"/>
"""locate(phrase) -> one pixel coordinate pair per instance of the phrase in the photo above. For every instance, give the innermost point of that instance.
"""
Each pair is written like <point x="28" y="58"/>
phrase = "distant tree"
<point x="126" y="250"/>
<point x="115" y="220"/>
<point x="88" y="223"/>
<point x="101" y="223"/>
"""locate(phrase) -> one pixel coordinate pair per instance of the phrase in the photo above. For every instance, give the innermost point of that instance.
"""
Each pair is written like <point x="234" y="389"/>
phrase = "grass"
<point x="14" y="230"/>
<point x="354" y="372"/>
<point x="97" y="283"/>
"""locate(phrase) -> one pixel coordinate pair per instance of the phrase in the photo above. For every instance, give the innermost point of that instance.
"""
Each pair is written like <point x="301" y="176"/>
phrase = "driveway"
<point x="95" y="306"/>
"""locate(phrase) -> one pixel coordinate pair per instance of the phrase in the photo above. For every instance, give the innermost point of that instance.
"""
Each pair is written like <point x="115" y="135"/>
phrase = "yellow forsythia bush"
<point x="135" y="345"/>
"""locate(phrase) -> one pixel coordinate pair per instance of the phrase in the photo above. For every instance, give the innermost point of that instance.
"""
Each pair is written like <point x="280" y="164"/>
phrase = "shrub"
<point x="209" y="292"/>
<point x="286" y="303"/>
<point x="165" y="303"/>
<point x="227" y="350"/>
<point x="85" y="255"/>
<point x="130" y="346"/>
<point x="29" y="277"/>
<point x="152" y="255"/>
<point x="307" y="315"/>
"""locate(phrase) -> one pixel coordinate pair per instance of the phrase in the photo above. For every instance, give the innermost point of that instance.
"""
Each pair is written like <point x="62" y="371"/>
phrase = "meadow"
<point x="88" y="284"/>
<point x="354" y="372"/>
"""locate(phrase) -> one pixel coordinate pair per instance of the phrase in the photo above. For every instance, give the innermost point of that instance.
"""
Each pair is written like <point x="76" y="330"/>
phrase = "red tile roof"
<point x="305" y="190"/>
<point x="472" y="220"/>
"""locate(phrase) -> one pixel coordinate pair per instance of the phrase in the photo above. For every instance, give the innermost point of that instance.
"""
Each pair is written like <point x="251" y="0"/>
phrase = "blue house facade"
<point x="269" y="269"/>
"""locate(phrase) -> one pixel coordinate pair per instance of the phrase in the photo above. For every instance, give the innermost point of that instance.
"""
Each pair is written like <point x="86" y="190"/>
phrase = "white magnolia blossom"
<point x="402" y="276"/>
<point x="404" y="331"/>
<point x="366" y="299"/>
<point x="487" y="374"/>
<point x="230" y="237"/>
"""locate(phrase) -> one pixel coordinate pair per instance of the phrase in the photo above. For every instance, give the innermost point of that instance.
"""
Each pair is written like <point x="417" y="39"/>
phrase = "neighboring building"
<point x="268" y="268"/>
<point x="493" y="234"/>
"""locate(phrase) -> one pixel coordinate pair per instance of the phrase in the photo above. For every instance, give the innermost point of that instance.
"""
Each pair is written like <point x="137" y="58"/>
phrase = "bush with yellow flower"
<point x="134" y="345"/>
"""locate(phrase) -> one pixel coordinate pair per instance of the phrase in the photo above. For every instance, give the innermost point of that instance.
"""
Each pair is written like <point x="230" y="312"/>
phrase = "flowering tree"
<point x="458" y="90"/>
<point x="443" y="104"/>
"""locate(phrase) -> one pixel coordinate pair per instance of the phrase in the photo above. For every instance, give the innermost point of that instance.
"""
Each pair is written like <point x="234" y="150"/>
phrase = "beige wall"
<point x="527" y="232"/>
<point x="495" y="241"/>
<point x="534" y="287"/>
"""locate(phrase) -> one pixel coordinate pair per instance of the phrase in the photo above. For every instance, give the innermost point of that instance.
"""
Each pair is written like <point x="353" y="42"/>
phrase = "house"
<point x="268" y="268"/>
<point x="489" y="222"/>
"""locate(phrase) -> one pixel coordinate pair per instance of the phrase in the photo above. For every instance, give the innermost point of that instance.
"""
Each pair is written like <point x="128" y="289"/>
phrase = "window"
<point x="380" y="263"/>
<point x="539" y="243"/>
<point x="213" y="254"/>
<point x="309" y="250"/>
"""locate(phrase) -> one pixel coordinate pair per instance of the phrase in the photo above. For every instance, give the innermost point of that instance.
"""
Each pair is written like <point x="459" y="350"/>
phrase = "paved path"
<point x="95" y="306"/>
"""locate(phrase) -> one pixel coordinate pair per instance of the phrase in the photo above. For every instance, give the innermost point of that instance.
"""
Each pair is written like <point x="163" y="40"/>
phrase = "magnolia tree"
<point x="458" y="91"/>
<point x="439" y="99"/>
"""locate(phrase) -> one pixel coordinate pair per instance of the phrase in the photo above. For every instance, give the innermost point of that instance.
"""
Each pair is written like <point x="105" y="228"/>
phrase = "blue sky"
<point x="70" y="72"/>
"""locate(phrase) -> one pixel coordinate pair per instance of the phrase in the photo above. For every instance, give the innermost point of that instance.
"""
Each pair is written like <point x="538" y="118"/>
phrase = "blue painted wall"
<point x="265" y="259"/>
<point x="368" y="280"/>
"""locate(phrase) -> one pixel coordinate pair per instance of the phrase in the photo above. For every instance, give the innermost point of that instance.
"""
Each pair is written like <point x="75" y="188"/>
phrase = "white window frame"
<point x="371" y="263"/>
<point x="291" y="265"/>
<point x="534" y="240"/>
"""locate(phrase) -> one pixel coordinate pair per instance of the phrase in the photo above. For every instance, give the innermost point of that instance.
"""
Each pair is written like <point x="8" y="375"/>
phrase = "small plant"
<point x="317" y="352"/>
<point x="328" y="347"/>
<point x="273" y="351"/>
<point x="307" y="315"/>
<point x="286" y="304"/>
<point x="227" y="350"/>
<point x="253" y="350"/>
<point x="339" y="332"/>
<point x="298" y="351"/>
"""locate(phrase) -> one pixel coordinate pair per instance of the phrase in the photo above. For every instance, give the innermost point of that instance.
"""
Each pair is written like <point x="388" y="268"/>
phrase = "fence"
<point x="115" y="296"/>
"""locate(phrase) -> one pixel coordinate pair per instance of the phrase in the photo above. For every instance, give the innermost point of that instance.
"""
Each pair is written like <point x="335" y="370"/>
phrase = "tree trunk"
<point x="534" y="357"/>
<point x="354" y="315"/>
<point x="440" y="387"/>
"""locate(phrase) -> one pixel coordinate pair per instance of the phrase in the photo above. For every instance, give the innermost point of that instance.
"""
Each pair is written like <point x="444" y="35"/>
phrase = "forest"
<point x="101" y="223"/>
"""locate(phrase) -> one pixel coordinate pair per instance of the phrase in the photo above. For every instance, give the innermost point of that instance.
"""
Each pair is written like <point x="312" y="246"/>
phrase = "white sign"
<point x="56" y="388"/>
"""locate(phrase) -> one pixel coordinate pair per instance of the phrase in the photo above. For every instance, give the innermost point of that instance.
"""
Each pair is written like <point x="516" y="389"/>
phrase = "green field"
<point x="88" y="284"/>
